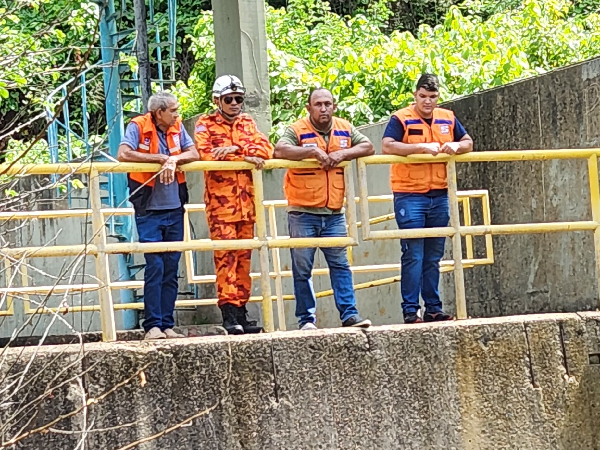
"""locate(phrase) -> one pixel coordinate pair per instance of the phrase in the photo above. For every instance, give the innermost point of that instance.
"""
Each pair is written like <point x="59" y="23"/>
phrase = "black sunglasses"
<point x="238" y="99"/>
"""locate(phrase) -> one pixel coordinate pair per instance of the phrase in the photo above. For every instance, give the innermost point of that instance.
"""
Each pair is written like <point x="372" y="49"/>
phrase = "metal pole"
<point x="595" y="199"/>
<point x="263" y="251"/>
<point x="459" y="276"/>
<point x="277" y="268"/>
<point x="350" y="203"/>
<point x="466" y="202"/>
<point x="84" y="112"/>
<point x="114" y="126"/>
<point x="107" y="314"/>
<point x="363" y="193"/>
<point x="139" y="8"/>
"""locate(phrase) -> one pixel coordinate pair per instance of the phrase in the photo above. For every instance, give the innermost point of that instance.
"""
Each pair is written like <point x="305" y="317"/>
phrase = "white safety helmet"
<point x="228" y="84"/>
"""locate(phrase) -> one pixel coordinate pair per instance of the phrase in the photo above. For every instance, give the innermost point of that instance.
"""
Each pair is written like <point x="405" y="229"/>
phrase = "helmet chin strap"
<point x="224" y="114"/>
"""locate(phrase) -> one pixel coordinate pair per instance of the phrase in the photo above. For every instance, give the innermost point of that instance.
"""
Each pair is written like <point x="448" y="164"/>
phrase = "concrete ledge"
<point x="523" y="382"/>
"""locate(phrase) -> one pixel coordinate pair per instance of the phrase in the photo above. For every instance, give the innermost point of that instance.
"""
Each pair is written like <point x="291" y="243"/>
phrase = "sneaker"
<point x="412" y="318"/>
<point x="437" y="317"/>
<point x="170" y="333"/>
<point x="357" y="322"/>
<point x="308" y="326"/>
<point x="155" y="333"/>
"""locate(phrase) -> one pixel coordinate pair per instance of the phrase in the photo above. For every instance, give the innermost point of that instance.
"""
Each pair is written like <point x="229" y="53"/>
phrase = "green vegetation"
<point x="373" y="73"/>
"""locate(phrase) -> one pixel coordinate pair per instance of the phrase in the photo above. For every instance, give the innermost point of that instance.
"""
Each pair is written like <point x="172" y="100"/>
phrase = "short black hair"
<point x="317" y="89"/>
<point x="429" y="82"/>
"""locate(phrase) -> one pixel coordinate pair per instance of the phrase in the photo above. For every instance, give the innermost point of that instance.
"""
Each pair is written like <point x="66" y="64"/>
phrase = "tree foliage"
<point x="373" y="73"/>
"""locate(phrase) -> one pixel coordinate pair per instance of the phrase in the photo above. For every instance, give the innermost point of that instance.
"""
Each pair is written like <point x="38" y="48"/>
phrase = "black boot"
<point x="230" y="321"/>
<point x="249" y="326"/>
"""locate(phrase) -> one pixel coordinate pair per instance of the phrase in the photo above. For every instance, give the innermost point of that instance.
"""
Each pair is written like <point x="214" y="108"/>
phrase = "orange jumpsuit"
<point x="229" y="198"/>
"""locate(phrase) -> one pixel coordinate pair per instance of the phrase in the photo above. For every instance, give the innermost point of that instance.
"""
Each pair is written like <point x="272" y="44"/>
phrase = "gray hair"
<point x="161" y="100"/>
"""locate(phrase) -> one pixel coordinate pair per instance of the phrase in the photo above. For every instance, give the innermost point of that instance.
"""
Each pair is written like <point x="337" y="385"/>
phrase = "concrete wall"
<point x="522" y="383"/>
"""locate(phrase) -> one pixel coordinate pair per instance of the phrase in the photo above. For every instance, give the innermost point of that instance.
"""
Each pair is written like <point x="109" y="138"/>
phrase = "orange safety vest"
<point x="421" y="178"/>
<point x="149" y="144"/>
<point x="229" y="194"/>
<point x="318" y="188"/>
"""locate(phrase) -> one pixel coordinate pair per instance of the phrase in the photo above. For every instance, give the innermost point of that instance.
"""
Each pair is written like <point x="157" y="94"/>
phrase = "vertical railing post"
<point x="277" y="267"/>
<point x="363" y="190"/>
<point x="466" y="202"/>
<point x="263" y="251"/>
<point x="487" y="220"/>
<point x="84" y="114"/>
<point x="595" y="199"/>
<point x="350" y="202"/>
<point x="107" y="313"/>
<point x="459" y="276"/>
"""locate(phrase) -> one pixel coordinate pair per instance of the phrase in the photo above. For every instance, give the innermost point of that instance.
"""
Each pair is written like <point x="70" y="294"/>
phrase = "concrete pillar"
<point x="241" y="47"/>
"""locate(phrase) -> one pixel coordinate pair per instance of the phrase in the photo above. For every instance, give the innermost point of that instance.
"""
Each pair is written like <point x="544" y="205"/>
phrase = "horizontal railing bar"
<point x="118" y="167"/>
<point x="105" y="167"/>
<point x="49" y="251"/>
<point x="412" y="234"/>
<point x="529" y="228"/>
<point x="494" y="156"/>
<point x="138" y="284"/>
<point x="61" y="213"/>
<point x="248" y="244"/>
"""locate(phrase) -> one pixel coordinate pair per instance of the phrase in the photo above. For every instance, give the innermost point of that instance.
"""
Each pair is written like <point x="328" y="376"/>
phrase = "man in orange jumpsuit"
<point x="228" y="134"/>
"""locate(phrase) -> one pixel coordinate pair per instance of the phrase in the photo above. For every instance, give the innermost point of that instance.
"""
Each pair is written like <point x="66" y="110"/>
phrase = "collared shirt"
<point x="164" y="196"/>
<point x="289" y="137"/>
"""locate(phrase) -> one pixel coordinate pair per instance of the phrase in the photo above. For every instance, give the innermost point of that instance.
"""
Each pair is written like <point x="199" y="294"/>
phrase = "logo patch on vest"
<point x="200" y="128"/>
<point x="445" y="129"/>
<point x="344" y="143"/>
<point x="309" y="145"/>
<point x="147" y="141"/>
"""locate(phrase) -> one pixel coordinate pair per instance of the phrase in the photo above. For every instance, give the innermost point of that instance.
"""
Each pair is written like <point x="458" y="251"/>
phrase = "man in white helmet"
<point x="228" y="134"/>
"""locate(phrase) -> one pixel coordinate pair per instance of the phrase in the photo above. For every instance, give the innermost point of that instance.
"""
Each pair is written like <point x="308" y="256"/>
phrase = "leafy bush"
<point x="373" y="73"/>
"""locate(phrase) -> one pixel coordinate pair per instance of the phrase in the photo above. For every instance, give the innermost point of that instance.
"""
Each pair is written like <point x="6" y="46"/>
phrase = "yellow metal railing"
<point x="101" y="249"/>
<point x="267" y="238"/>
<point x="455" y="230"/>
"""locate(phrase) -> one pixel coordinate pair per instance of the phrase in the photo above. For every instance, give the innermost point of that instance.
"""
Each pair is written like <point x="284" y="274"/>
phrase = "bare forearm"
<point x="358" y="151"/>
<point x="400" y="148"/>
<point x="293" y="153"/>
<point x="127" y="154"/>
<point x="188" y="155"/>
<point x="466" y="145"/>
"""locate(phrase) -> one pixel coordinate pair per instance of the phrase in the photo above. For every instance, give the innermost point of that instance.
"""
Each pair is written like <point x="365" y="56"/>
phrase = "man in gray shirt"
<point x="158" y="199"/>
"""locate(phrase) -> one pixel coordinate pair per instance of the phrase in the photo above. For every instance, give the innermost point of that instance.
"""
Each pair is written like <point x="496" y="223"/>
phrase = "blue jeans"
<point x="160" y="275"/>
<point x="306" y="225"/>
<point x="421" y="257"/>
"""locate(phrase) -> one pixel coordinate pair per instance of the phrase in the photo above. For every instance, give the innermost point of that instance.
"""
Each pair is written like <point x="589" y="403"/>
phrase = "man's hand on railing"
<point x="167" y="173"/>
<point x="322" y="157"/>
<point x="450" y="148"/>
<point x="432" y="148"/>
<point x="334" y="159"/>
<point x="258" y="162"/>
<point x="221" y="153"/>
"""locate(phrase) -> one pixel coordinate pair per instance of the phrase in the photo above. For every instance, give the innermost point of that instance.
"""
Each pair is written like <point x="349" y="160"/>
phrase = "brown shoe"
<point x="154" y="333"/>
<point x="172" y="334"/>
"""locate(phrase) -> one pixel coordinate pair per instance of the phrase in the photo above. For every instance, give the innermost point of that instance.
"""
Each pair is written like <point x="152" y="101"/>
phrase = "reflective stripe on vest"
<point x="149" y="144"/>
<point x="421" y="178"/>
<point x="318" y="188"/>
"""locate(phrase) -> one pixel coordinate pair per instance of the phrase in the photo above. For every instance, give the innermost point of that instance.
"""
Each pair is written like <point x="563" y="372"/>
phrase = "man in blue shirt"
<point x="421" y="193"/>
<point x="158" y="199"/>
